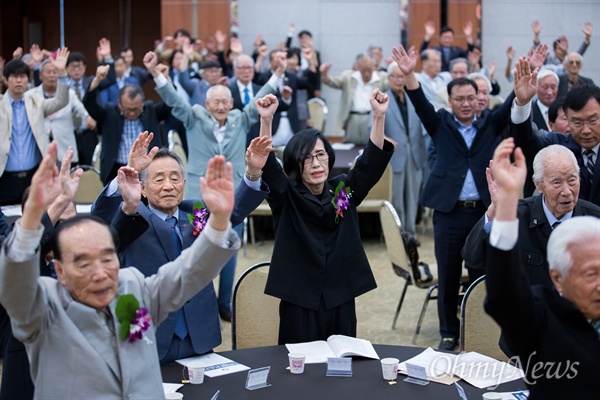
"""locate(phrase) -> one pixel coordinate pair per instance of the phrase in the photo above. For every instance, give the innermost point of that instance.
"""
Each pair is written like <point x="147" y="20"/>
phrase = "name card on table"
<point x="257" y="378"/>
<point x="339" y="366"/>
<point x="416" y="374"/>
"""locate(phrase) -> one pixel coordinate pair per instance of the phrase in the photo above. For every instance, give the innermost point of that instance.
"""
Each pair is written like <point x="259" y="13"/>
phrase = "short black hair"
<point x="131" y="91"/>
<point x="294" y="51"/>
<point x="172" y="57"/>
<point x="579" y="96"/>
<point x="298" y="148"/>
<point x="556" y="105"/>
<point x="210" y="64"/>
<point x="182" y="32"/>
<point x="124" y="49"/>
<point x="76" y="56"/>
<point x="446" y="29"/>
<point x="15" y="67"/>
<point x="461" y="82"/>
<point x="304" y="32"/>
<point x="77" y="220"/>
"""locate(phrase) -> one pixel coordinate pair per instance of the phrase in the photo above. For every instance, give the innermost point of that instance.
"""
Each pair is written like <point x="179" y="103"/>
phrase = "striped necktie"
<point x="590" y="165"/>
<point x="181" y="329"/>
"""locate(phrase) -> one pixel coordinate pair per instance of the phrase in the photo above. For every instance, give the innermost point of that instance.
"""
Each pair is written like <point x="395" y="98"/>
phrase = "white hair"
<point x="214" y="89"/>
<point x="551" y="152"/>
<point x="478" y="75"/>
<point x="572" y="231"/>
<point x="391" y="66"/>
<point x="545" y="72"/>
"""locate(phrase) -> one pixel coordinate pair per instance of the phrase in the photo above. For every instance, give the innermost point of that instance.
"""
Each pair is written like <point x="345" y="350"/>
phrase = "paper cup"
<point x="296" y="362"/>
<point x="196" y="372"/>
<point x="492" y="396"/>
<point x="174" y="396"/>
<point x="389" y="367"/>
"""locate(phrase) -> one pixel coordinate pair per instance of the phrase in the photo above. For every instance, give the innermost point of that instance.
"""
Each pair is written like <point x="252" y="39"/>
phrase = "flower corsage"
<point x="133" y="319"/>
<point x="341" y="200"/>
<point x="198" y="218"/>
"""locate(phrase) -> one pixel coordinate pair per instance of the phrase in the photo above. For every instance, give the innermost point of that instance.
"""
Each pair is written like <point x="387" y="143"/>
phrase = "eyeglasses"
<point x="321" y="157"/>
<point x="580" y="124"/>
<point x="574" y="62"/>
<point x="131" y="110"/>
<point x="461" y="100"/>
<point x="245" y="68"/>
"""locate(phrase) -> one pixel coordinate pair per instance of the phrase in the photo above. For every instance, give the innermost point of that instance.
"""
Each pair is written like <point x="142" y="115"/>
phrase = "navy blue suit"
<point x="452" y="221"/>
<point x="238" y="104"/>
<point x="155" y="247"/>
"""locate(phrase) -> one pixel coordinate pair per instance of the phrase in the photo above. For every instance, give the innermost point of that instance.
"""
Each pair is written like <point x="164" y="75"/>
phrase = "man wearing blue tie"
<point x="193" y="329"/>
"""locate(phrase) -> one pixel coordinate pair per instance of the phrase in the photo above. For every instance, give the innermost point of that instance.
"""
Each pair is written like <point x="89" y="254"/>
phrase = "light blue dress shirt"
<point x="469" y="190"/>
<point x="24" y="154"/>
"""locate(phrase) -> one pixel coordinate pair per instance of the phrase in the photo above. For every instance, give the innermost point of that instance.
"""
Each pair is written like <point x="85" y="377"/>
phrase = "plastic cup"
<point x="389" y="367"/>
<point x="196" y="372"/>
<point x="296" y="362"/>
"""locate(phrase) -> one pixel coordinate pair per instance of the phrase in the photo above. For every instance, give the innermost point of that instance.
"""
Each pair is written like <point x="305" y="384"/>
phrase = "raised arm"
<point x="69" y="186"/>
<point x="61" y="99"/>
<point x="379" y="103"/>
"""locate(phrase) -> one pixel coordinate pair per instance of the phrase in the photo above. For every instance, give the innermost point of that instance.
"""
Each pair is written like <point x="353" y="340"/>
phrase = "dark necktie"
<point x="596" y="326"/>
<point x="555" y="224"/>
<point x="246" y="96"/>
<point x="52" y="270"/>
<point x="590" y="165"/>
<point x="181" y="327"/>
<point x="76" y="119"/>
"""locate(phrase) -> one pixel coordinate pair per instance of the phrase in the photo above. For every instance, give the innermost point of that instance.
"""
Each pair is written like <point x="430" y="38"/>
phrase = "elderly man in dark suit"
<point x="194" y="329"/>
<point x="121" y="124"/>
<point x="553" y="331"/>
<point x="582" y="108"/>
<point x="243" y="89"/>
<point x="556" y="177"/>
<point x="571" y="79"/>
<point x="456" y="188"/>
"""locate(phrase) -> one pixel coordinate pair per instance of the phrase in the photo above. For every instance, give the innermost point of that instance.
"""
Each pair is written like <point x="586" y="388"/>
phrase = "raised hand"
<point x="537" y="56"/>
<point x="257" y="154"/>
<point x="69" y="183"/>
<point x="588" y="29"/>
<point x="286" y="92"/>
<point x="525" y="81"/>
<point x="220" y="37"/>
<point x="130" y="189"/>
<point x="563" y="43"/>
<point x="407" y="61"/>
<point x="36" y="54"/>
<point x="235" y="46"/>
<point x="510" y="53"/>
<point x="429" y="29"/>
<point x="474" y="57"/>
<point x="267" y="106"/>
<point x="493" y="189"/>
<point x="468" y="28"/>
<point x="104" y="50"/>
<point x="102" y="71"/>
<point x="217" y="192"/>
<point x="324" y="68"/>
<point x="509" y="178"/>
<point x="18" y="53"/>
<point x="187" y="49"/>
<point x="536" y="28"/>
<point x="292" y="29"/>
<point x="281" y="63"/>
<point x="492" y="70"/>
<point x="139" y="157"/>
<point x="258" y="40"/>
<point x="45" y="187"/>
<point x="379" y="102"/>
<point x="150" y="60"/>
<point x="60" y="62"/>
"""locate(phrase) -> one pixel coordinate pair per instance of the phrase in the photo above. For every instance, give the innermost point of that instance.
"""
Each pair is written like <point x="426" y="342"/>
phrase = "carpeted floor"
<point x="375" y="310"/>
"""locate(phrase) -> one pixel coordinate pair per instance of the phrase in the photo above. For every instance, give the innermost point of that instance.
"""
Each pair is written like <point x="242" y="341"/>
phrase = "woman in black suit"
<point x="318" y="265"/>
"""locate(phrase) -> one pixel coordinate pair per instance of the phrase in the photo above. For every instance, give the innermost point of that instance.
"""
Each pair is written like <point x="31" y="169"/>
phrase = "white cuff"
<point x="504" y="234"/>
<point x="113" y="188"/>
<point x="274" y="81"/>
<point x="160" y="81"/>
<point x="217" y="237"/>
<point x="519" y="114"/>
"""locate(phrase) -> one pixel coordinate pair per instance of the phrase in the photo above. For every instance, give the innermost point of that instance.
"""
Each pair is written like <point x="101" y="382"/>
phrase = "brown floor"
<point x="375" y="310"/>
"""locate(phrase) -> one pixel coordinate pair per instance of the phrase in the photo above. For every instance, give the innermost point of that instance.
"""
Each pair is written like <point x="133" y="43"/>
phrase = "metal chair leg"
<point x="429" y="291"/>
<point x="400" y="304"/>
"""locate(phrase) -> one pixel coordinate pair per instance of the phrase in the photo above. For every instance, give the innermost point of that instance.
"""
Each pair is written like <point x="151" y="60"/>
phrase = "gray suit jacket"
<point x="203" y="145"/>
<point x="347" y="84"/>
<point x="413" y="142"/>
<point x="37" y="108"/>
<point x="68" y="346"/>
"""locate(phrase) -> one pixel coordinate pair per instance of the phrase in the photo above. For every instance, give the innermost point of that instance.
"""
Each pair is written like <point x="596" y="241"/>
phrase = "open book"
<point x="335" y="346"/>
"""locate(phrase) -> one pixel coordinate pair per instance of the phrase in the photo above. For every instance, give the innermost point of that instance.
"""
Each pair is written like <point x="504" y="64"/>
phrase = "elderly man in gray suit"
<point x="403" y="128"/>
<point x="91" y="333"/>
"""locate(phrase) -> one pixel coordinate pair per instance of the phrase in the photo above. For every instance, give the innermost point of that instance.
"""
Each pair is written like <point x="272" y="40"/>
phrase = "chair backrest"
<point x="176" y="146"/>
<point x="318" y="113"/>
<point x="90" y="185"/>
<point x="255" y="321"/>
<point x="379" y="193"/>
<point x="478" y="331"/>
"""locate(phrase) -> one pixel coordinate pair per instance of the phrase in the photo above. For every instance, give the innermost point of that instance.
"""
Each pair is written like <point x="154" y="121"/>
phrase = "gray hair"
<point x="235" y="60"/>
<point x="478" y="75"/>
<point x="392" y="65"/>
<point x="425" y="54"/>
<point x="544" y="72"/>
<point x="363" y="55"/>
<point x="458" y="61"/>
<point x="44" y="63"/>
<point x="163" y="153"/>
<point x="213" y="89"/>
<point x="551" y="152"/>
<point x="572" y="231"/>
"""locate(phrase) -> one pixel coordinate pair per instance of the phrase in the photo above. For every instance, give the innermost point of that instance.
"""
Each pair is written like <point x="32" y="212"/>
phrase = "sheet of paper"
<point x="215" y="364"/>
<point x="12" y="211"/>
<point x="438" y="365"/>
<point x="315" y="352"/>
<point x="483" y="371"/>
<point x="171" y="387"/>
